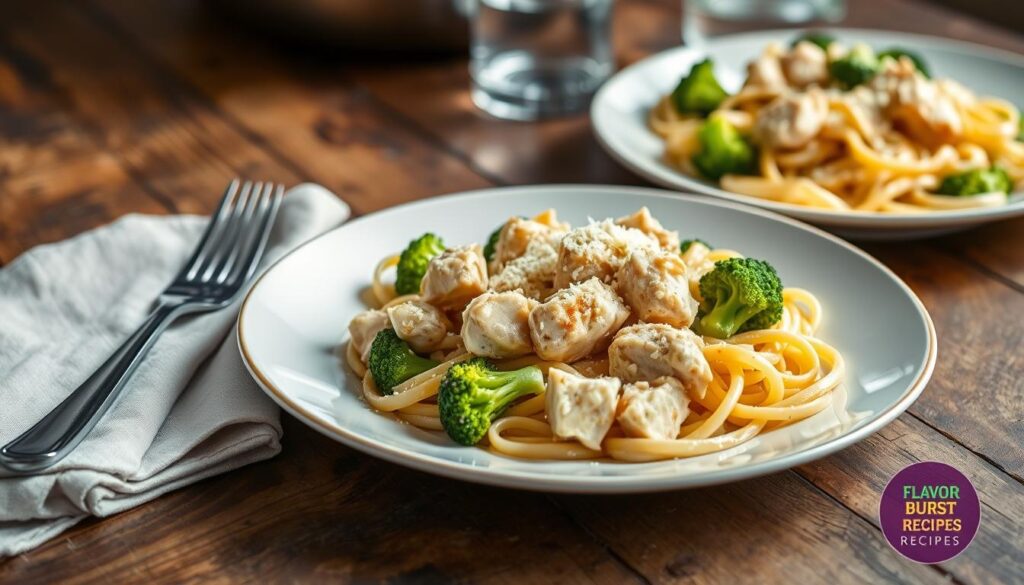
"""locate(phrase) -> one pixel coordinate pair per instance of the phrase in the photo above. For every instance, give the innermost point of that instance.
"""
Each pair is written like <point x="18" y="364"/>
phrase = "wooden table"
<point x="116" y="106"/>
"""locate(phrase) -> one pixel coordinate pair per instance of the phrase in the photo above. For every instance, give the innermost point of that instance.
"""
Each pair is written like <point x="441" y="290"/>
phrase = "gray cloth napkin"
<point x="190" y="411"/>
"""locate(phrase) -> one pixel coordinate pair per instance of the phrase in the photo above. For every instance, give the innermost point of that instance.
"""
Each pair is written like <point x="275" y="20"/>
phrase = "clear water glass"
<point x="703" y="19"/>
<point x="532" y="59"/>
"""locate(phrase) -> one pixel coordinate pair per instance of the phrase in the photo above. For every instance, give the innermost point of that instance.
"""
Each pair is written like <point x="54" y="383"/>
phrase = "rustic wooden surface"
<point x="115" y="106"/>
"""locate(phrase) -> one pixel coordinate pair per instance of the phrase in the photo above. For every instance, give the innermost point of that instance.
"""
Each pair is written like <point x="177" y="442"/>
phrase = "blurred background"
<point x="441" y="24"/>
<point x="532" y="59"/>
<point x="101" y="100"/>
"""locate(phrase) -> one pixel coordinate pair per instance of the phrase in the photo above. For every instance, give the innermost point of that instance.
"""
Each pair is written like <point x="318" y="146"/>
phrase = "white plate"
<point x="619" y="115"/>
<point x="296" y="315"/>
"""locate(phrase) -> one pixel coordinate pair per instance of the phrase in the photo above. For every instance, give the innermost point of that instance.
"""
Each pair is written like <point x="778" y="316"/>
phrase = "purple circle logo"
<point x="929" y="512"/>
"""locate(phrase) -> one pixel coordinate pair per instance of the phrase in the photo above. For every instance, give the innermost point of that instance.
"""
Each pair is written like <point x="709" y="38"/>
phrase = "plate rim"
<point x="591" y="484"/>
<point x="846" y="219"/>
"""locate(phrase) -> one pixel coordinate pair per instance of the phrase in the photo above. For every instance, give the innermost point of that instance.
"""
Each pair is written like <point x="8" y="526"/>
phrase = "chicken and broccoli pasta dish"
<point x="609" y="340"/>
<point x="841" y="128"/>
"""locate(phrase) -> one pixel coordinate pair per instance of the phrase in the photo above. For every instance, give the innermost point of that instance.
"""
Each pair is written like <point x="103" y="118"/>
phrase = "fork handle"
<point x="53" y="437"/>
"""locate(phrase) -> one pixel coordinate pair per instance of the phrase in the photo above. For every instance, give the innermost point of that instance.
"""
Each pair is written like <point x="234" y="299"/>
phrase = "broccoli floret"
<point x="392" y="361"/>
<point x="473" y="394"/>
<point x="1020" y="129"/>
<point x="821" y="39"/>
<point x="723" y="150"/>
<point x="412" y="264"/>
<point x="895" y="53"/>
<point x="977" y="181"/>
<point x="854" y="68"/>
<point x="685" y="244"/>
<point x="699" y="92"/>
<point x="739" y="294"/>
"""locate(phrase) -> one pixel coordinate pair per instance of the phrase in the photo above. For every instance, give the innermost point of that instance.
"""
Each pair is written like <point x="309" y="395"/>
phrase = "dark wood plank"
<point x="56" y="203"/>
<point x="557" y="151"/>
<point x="35" y="132"/>
<point x="858" y="475"/>
<point x="179" y="145"/>
<point x="326" y="129"/>
<point x="997" y="248"/>
<point x="975" y="393"/>
<point x="56" y="178"/>
<point x="769" y="530"/>
<point x="1005" y="14"/>
<point x="322" y="512"/>
<point x="925" y="17"/>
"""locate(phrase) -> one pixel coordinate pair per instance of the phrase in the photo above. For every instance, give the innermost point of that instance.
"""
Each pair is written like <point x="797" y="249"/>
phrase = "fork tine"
<point x="215" y="224"/>
<point x="229" y="235"/>
<point x="221" y="231"/>
<point x="256" y="246"/>
<point x="251" y="224"/>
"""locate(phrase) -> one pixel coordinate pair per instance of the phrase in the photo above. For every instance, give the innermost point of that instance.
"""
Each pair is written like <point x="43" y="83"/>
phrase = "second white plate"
<point x="295" y="317"/>
<point x="619" y="115"/>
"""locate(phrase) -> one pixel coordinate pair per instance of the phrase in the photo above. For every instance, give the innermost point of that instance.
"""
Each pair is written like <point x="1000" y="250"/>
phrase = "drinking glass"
<point x="708" y="18"/>
<point x="532" y="59"/>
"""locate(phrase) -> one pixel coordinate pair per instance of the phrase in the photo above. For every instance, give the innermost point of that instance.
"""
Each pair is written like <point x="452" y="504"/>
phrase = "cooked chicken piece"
<point x="454" y="277"/>
<point x="806" y="64"/>
<point x="791" y="120"/>
<point x="364" y="327"/>
<point x="497" y="325"/>
<point x="653" y="410"/>
<point x="862" y="100"/>
<point x="581" y="408"/>
<point x="419" y="324"/>
<point x="598" y="249"/>
<point x="576" y="321"/>
<point x="655" y="286"/>
<point x="765" y="72"/>
<point x="648" y="351"/>
<point x="921" y="107"/>
<point x="955" y="90"/>
<point x="549" y="217"/>
<point x="533" y="273"/>
<point x="643" y="220"/>
<point x="517" y="233"/>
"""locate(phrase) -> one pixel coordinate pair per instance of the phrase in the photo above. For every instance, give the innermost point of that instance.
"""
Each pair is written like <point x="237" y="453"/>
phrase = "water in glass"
<point x="539" y="58"/>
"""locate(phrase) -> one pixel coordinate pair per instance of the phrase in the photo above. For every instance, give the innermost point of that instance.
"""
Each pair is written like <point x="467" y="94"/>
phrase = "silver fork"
<point x="223" y="262"/>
